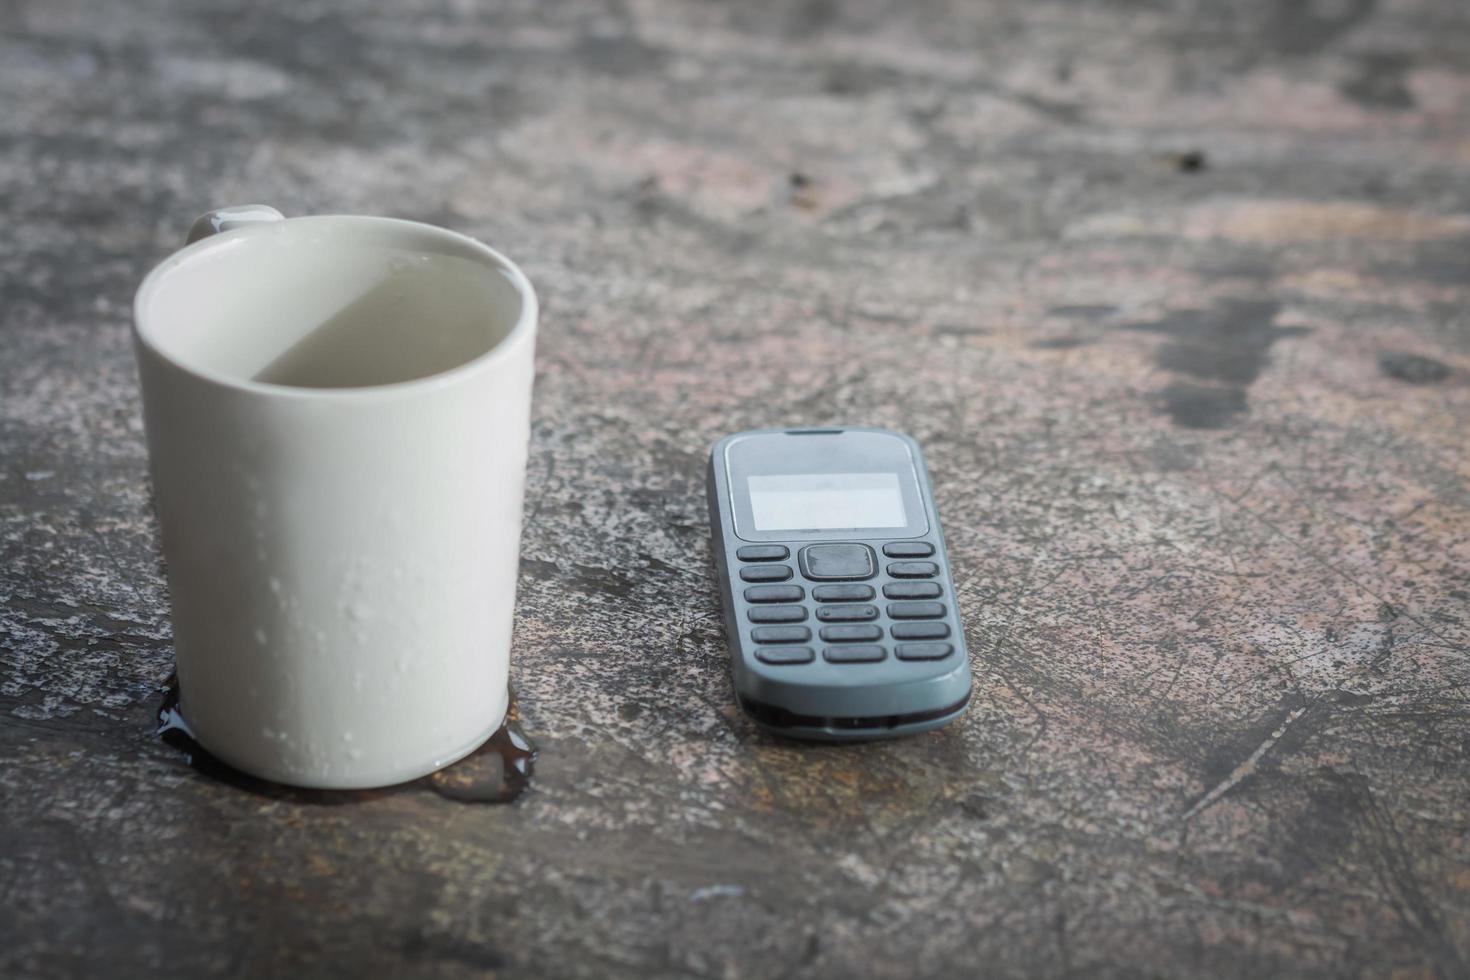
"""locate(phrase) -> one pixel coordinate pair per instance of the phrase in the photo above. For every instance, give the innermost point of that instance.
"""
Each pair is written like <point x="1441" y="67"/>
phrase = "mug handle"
<point x="227" y="219"/>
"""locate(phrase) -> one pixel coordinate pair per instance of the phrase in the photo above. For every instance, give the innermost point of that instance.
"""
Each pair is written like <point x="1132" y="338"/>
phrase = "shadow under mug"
<point x="338" y="416"/>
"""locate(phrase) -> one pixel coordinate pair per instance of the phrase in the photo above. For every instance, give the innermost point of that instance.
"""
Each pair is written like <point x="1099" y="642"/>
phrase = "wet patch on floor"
<point x="1226" y="347"/>
<point x="1416" y="369"/>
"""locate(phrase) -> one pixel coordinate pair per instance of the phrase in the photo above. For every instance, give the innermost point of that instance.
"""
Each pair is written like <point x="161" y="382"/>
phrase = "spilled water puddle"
<point x="498" y="771"/>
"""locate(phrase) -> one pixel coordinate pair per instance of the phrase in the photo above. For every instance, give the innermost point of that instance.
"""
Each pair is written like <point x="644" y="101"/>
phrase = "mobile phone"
<point x="839" y="606"/>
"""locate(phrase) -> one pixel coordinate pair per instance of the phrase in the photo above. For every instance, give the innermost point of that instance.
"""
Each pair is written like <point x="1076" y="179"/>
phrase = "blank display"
<point x="826" y="501"/>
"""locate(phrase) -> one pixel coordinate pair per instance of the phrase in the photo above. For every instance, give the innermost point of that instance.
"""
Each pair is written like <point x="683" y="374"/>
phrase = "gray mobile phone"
<point x="839" y="606"/>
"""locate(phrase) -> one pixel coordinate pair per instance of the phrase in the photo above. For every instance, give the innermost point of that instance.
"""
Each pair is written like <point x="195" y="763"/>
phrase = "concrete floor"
<point x="1174" y="294"/>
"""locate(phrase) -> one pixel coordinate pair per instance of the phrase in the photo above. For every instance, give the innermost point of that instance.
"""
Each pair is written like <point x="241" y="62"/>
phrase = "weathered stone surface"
<point x="1174" y="294"/>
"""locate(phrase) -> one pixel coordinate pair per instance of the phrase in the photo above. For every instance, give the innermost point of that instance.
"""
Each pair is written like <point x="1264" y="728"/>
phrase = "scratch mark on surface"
<point x="1246" y="768"/>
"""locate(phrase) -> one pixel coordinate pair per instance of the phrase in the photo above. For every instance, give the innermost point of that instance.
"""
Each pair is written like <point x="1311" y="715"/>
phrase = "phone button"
<point x="910" y="590"/>
<point x="913" y="569"/>
<point x="915" y="610"/>
<point x="766" y="573"/>
<point x="774" y="593"/>
<point x="837" y="561"/>
<point x="907" y="549"/>
<point x="785" y="655"/>
<point x="777" y="614"/>
<point x="765" y="552"/>
<point x="923" y="651"/>
<point x="844" y="593"/>
<point x="780" y="634"/>
<point x="855" y="654"/>
<point x="851" y="634"/>
<point x="919" y="631"/>
<point x="846" y="614"/>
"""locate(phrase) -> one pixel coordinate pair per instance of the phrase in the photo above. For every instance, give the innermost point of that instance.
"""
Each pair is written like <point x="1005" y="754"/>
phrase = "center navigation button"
<point x="837" y="561"/>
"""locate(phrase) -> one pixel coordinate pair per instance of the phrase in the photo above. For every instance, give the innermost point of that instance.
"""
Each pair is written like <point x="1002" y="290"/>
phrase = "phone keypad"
<point x="833" y="583"/>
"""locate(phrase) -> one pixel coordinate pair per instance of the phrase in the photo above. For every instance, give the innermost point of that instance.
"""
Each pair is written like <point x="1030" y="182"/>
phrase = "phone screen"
<point x="801" y="501"/>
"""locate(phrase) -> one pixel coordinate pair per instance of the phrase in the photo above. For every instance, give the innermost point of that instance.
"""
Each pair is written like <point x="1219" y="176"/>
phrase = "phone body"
<point x="839" y="605"/>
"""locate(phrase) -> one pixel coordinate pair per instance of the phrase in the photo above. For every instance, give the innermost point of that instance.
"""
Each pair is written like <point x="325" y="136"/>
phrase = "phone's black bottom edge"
<point x="780" y="721"/>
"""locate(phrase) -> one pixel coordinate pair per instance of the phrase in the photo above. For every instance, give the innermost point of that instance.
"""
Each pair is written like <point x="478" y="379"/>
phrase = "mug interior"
<point x="330" y="302"/>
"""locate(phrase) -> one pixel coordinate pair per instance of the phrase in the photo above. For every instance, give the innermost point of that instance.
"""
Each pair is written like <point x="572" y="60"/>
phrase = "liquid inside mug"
<point x="338" y="416"/>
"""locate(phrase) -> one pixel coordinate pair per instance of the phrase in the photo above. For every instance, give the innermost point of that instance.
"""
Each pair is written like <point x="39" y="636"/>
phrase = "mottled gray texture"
<point x="1198" y="435"/>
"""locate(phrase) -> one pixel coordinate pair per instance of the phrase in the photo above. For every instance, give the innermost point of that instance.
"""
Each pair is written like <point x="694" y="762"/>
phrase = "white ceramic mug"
<point x="338" y="415"/>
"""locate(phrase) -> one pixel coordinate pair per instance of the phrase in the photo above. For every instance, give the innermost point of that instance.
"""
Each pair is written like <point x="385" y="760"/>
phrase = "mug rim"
<point x="525" y="323"/>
